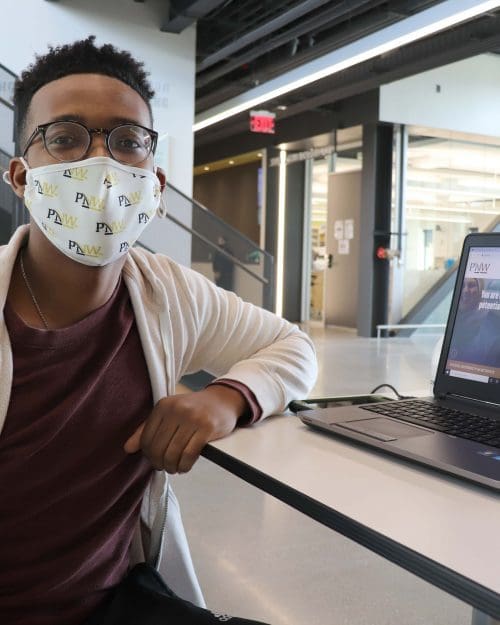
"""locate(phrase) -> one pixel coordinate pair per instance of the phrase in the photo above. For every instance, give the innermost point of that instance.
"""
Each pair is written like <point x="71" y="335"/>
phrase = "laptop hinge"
<point x="469" y="400"/>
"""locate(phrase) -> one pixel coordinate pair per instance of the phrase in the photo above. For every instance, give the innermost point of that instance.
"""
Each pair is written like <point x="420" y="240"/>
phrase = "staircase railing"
<point x="249" y="270"/>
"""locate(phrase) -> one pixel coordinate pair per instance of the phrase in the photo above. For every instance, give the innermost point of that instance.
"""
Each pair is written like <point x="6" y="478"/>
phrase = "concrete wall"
<point x="462" y="96"/>
<point x="29" y="26"/>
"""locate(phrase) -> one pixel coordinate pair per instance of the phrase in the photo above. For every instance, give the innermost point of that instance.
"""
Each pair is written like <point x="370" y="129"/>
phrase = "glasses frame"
<point x="42" y="129"/>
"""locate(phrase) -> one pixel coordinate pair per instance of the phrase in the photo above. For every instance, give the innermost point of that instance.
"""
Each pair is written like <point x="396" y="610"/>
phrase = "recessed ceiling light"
<point x="259" y="154"/>
<point x="231" y="162"/>
<point x="206" y="168"/>
<point x="282" y="107"/>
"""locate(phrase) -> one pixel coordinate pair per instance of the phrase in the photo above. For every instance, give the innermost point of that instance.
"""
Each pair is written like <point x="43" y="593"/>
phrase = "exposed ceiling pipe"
<point x="183" y="13"/>
<point x="323" y="20"/>
<point x="261" y="31"/>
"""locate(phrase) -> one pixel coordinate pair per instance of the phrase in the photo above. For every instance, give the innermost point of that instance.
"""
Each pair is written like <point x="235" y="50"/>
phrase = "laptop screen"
<point x="474" y="352"/>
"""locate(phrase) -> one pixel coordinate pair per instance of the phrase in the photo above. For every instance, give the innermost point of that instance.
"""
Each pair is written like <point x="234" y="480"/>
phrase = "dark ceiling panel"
<point x="247" y="52"/>
<point x="267" y="28"/>
<point x="324" y="96"/>
<point x="307" y="26"/>
<point x="183" y="13"/>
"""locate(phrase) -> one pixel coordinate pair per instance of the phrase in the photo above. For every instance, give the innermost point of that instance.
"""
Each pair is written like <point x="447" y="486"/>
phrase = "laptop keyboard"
<point x="484" y="430"/>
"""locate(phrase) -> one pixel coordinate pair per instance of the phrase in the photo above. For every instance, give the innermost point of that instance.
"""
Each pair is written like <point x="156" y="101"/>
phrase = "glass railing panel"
<point x="224" y="255"/>
<point x="7" y="79"/>
<point x="451" y="190"/>
<point x="6" y="126"/>
<point x="435" y="306"/>
<point x="7" y="201"/>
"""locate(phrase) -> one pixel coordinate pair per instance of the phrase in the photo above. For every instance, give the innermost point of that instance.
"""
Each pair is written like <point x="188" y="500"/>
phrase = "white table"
<point x="442" y="529"/>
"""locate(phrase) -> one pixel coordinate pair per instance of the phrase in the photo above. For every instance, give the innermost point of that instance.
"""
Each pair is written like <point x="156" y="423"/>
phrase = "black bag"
<point x="143" y="598"/>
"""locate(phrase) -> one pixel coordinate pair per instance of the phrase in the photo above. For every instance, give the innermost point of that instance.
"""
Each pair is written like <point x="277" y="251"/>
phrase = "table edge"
<point x="463" y="588"/>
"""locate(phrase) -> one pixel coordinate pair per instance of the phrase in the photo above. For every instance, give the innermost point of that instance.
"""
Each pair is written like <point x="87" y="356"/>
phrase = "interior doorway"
<point x="346" y="158"/>
<point x="319" y="261"/>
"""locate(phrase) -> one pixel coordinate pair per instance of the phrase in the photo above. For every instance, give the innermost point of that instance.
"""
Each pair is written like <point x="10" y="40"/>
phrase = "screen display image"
<point x="474" y="352"/>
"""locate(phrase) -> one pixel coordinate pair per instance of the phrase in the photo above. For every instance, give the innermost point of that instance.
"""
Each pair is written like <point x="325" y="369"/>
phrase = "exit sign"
<point x="262" y="121"/>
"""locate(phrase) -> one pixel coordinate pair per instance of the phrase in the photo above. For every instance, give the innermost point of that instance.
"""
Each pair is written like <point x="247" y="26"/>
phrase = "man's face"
<point x="94" y="100"/>
<point x="471" y="294"/>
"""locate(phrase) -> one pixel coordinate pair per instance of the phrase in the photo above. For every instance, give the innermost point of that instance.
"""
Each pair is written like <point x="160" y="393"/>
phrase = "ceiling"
<point x="280" y="36"/>
<point x="244" y="43"/>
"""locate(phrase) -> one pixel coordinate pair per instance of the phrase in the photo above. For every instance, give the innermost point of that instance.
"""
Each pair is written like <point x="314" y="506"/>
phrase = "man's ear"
<point x="17" y="176"/>
<point x="162" y="177"/>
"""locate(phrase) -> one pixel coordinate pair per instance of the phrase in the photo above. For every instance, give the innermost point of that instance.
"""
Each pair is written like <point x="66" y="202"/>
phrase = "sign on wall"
<point x="262" y="121"/>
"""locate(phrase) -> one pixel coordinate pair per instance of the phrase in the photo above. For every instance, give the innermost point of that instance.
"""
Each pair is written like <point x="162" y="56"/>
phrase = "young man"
<point x="94" y="336"/>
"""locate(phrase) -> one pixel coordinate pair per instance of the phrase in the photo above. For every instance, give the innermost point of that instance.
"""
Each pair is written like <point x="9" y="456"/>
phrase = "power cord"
<point x="398" y="395"/>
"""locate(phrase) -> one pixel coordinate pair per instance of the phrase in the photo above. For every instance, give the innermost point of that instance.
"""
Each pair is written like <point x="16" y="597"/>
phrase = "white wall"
<point x="28" y="26"/>
<point x="467" y="99"/>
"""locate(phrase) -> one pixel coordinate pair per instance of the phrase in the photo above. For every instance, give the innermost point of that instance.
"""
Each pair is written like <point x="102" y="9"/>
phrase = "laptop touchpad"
<point x="383" y="429"/>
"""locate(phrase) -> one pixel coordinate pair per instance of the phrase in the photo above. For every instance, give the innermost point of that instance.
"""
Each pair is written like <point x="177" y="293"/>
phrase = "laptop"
<point x="458" y="429"/>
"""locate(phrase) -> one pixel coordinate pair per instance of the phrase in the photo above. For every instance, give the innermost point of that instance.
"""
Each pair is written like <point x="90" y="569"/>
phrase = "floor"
<point x="258" y="558"/>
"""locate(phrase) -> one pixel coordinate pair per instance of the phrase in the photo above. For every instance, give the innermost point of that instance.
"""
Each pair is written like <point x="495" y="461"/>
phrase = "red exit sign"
<point x="262" y="121"/>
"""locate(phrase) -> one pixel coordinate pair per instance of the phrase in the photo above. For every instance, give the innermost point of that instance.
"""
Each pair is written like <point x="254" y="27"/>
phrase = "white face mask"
<point x="92" y="210"/>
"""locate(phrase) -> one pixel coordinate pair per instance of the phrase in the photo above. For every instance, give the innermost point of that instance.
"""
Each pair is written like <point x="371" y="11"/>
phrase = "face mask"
<point x="92" y="210"/>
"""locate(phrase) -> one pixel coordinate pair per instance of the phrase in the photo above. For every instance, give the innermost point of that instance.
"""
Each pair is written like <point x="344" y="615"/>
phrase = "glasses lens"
<point x="66" y="141"/>
<point x="130" y="144"/>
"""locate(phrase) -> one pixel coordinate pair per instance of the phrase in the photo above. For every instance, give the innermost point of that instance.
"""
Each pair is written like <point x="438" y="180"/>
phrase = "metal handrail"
<point x="199" y="236"/>
<point x="227" y="226"/>
<point x="6" y="103"/>
<point x="6" y="69"/>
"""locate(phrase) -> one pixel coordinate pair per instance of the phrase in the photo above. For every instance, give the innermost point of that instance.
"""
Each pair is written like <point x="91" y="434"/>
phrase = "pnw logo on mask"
<point x="131" y="199"/>
<point x="94" y="251"/>
<point x="76" y="173"/>
<point x="45" y="188"/>
<point x="92" y="202"/>
<point x="110" y="179"/>
<point x="145" y="216"/>
<point x="115" y="227"/>
<point x="92" y="210"/>
<point x="62" y="219"/>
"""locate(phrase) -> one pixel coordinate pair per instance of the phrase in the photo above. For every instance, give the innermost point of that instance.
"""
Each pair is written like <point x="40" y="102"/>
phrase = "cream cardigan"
<point x="186" y="324"/>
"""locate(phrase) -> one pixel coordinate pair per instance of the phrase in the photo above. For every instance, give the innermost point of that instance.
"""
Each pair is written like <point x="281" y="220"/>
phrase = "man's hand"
<point x="174" y="434"/>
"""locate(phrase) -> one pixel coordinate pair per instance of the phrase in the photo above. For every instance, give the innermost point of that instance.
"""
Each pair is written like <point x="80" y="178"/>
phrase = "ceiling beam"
<point x="183" y="13"/>
<point x="261" y="31"/>
<point x="316" y="23"/>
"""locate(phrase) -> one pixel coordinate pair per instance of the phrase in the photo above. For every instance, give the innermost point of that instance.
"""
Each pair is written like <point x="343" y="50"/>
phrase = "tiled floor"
<point x="258" y="558"/>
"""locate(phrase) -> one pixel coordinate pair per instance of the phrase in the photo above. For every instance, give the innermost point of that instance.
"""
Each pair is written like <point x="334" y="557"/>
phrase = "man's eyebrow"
<point x="66" y="118"/>
<point x="114" y="121"/>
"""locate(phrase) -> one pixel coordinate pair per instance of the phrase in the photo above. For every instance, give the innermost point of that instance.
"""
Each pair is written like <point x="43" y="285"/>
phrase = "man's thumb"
<point x="133" y="444"/>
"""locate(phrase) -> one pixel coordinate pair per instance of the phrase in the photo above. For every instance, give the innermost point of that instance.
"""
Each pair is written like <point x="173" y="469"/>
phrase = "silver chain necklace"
<point x="28" y="286"/>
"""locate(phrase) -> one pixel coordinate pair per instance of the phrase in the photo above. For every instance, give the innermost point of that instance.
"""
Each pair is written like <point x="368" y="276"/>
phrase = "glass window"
<point x="452" y="186"/>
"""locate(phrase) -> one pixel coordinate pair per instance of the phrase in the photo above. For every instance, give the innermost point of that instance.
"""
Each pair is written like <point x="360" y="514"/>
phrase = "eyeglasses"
<point x="69" y="141"/>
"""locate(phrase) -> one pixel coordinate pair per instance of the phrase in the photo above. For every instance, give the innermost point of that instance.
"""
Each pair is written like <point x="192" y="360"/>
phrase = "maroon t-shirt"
<point x="69" y="495"/>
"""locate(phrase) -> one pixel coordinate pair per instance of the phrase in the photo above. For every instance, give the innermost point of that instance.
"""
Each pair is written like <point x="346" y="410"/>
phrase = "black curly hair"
<point x="80" y="57"/>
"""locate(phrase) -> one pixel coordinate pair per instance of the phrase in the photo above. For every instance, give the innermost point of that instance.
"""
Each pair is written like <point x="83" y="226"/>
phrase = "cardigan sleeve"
<point x="236" y="340"/>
